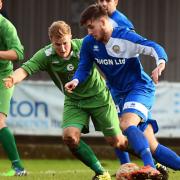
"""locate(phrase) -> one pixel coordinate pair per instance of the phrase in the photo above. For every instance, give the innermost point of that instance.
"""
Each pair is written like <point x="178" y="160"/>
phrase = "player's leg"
<point x="123" y="156"/>
<point x="71" y="137"/>
<point x="136" y="138"/>
<point x="6" y="137"/>
<point x="75" y="121"/>
<point x="108" y="122"/>
<point x="105" y="119"/>
<point x="133" y="107"/>
<point x="161" y="154"/>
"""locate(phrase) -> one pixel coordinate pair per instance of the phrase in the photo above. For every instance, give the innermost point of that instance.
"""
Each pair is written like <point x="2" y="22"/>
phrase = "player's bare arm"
<point x="18" y="75"/>
<point x="157" y="72"/>
<point x="70" y="86"/>
<point x="9" y="54"/>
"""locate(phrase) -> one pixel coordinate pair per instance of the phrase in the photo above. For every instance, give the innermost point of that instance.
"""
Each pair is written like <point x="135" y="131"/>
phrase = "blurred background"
<point x="37" y="105"/>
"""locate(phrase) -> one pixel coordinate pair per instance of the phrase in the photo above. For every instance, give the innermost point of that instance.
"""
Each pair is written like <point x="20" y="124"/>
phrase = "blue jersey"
<point x="119" y="19"/>
<point x="118" y="59"/>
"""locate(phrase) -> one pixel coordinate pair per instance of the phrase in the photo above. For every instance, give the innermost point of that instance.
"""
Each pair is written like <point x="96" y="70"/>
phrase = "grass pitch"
<point x="64" y="170"/>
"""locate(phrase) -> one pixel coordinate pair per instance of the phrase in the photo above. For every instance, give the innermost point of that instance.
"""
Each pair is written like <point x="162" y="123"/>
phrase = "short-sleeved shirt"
<point x="61" y="71"/>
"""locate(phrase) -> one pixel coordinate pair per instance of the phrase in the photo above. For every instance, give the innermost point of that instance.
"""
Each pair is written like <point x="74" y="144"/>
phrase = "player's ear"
<point x="102" y="21"/>
<point x="116" y="2"/>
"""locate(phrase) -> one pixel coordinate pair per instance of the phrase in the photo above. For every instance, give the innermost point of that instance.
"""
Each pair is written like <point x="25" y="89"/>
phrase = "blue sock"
<point x="167" y="157"/>
<point x="122" y="156"/>
<point x="140" y="144"/>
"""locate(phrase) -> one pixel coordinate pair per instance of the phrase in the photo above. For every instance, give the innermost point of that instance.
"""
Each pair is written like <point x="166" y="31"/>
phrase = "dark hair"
<point x="92" y="12"/>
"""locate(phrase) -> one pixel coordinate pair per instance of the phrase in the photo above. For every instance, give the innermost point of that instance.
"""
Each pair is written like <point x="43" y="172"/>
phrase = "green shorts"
<point x="5" y="98"/>
<point x="100" y="108"/>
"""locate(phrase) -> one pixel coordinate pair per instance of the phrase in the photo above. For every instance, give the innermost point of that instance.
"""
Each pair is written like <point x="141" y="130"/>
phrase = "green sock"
<point x="8" y="142"/>
<point x="85" y="154"/>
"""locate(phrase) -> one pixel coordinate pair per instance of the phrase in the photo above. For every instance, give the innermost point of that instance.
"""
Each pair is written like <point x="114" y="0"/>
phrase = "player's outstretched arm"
<point x="70" y="86"/>
<point x="157" y="72"/>
<point x="17" y="76"/>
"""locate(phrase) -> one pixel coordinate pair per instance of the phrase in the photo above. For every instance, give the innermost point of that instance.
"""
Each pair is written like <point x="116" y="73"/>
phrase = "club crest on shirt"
<point x="116" y="49"/>
<point x="70" y="67"/>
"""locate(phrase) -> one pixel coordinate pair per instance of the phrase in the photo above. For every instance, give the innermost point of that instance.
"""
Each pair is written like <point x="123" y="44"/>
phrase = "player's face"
<point x="95" y="28"/>
<point x="108" y="5"/>
<point x="62" y="46"/>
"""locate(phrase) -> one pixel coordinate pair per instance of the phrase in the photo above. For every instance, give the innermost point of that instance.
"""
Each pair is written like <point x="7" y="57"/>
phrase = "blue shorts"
<point x="136" y="101"/>
<point x="143" y="125"/>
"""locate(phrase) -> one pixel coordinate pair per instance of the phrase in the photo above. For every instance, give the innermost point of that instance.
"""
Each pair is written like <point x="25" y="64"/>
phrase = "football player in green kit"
<point x="10" y="50"/>
<point x="60" y="59"/>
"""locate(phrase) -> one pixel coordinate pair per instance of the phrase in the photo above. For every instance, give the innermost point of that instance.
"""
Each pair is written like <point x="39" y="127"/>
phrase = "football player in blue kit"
<point x="117" y="18"/>
<point x="115" y="51"/>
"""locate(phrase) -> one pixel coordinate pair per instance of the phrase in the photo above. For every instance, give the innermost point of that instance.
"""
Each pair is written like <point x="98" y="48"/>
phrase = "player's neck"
<point x="107" y="34"/>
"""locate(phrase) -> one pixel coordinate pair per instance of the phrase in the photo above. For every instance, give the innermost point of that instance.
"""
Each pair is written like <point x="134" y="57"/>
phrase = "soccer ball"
<point x="124" y="172"/>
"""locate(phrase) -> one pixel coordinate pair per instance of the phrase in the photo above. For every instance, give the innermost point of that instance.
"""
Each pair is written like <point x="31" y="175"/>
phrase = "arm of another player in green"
<point x="14" y="49"/>
<point x="9" y="54"/>
<point x="17" y="76"/>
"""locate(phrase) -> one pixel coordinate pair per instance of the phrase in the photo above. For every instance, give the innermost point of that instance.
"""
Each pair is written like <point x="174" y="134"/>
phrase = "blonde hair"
<point x="58" y="29"/>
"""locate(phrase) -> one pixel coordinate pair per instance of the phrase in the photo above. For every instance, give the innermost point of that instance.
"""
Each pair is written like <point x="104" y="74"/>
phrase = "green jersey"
<point x="62" y="70"/>
<point x="8" y="41"/>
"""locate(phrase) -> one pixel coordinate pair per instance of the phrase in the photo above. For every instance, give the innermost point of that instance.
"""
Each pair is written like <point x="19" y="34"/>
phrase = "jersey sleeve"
<point x="118" y="19"/>
<point x="139" y="45"/>
<point x="11" y="39"/>
<point x="86" y="62"/>
<point x="37" y="63"/>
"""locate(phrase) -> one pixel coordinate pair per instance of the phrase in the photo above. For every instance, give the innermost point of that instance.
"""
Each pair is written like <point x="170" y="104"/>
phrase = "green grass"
<point x="63" y="170"/>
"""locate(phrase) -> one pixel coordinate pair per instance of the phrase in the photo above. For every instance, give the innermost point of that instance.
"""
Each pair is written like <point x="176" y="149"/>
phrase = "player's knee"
<point x="71" y="136"/>
<point x="71" y="140"/>
<point x="122" y="143"/>
<point x="112" y="143"/>
<point x="129" y="119"/>
<point x="2" y="120"/>
<point x="124" y="124"/>
<point x="118" y="142"/>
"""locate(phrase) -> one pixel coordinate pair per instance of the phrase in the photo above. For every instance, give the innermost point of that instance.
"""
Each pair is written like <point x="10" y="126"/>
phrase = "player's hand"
<point x="157" y="72"/>
<point x="70" y="86"/>
<point x="8" y="82"/>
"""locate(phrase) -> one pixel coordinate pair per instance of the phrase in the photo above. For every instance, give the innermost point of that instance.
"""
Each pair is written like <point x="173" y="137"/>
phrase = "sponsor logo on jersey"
<point x="111" y="61"/>
<point x="116" y="49"/>
<point x="95" y="48"/>
<point x="70" y="67"/>
<point x="132" y="105"/>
